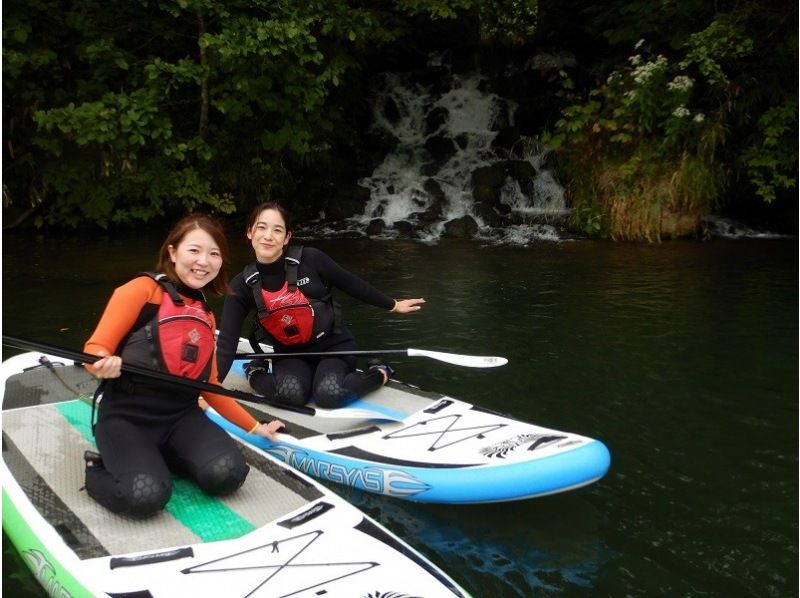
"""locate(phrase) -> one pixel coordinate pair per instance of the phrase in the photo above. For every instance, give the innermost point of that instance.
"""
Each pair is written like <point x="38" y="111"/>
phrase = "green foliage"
<point x="771" y="158"/>
<point x="647" y="102"/>
<point x="623" y="22"/>
<point x="663" y="133"/>
<point x="127" y="112"/>
<point x="499" y="21"/>
<point x="722" y="42"/>
<point x="440" y="9"/>
<point x="509" y="21"/>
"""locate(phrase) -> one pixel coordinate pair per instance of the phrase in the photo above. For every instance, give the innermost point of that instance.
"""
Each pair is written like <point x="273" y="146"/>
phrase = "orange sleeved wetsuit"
<point x="119" y="318"/>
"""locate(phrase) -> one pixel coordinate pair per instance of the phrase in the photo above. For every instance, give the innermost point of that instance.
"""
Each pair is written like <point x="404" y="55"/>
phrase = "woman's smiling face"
<point x="269" y="236"/>
<point x="197" y="259"/>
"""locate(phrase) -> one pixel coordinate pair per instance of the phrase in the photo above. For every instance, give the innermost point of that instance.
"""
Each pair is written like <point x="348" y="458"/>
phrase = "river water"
<point x="682" y="358"/>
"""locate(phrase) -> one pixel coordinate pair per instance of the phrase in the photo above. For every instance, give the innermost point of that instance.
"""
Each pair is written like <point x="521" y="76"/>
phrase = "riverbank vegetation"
<point x="122" y="114"/>
<point x="702" y="109"/>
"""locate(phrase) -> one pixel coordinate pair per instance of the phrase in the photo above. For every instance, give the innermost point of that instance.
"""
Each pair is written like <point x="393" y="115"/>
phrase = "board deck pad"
<point x="55" y="437"/>
<point x="280" y="534"/>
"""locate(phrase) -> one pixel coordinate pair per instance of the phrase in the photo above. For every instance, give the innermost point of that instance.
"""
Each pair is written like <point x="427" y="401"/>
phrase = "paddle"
<point x="80" y="357"/>
<point x="470" y="361"/>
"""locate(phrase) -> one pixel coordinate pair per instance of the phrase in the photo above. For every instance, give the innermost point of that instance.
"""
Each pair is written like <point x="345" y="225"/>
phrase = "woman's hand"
<point x="404" y="306"/>
<point x="268" y="430"/>
<point x="109" y="366"/>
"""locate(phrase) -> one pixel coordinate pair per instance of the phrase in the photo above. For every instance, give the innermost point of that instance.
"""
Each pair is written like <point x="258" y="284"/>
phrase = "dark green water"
<point x="682" y="358"/>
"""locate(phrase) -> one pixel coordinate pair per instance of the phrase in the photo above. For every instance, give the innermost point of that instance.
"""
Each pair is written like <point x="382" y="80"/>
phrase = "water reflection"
<point x="551" y="545"/>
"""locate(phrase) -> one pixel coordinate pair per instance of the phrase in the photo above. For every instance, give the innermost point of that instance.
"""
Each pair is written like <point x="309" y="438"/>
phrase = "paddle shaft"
<point x="471" y="361"/>
<point x="320" y="354"/>
<point x="80" y="357"/>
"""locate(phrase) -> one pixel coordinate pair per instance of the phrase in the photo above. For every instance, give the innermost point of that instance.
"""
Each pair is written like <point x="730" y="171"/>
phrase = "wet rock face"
<point x="459" y="163"/>
<point x="460" y="228"/>
<point x="443" y="157"/>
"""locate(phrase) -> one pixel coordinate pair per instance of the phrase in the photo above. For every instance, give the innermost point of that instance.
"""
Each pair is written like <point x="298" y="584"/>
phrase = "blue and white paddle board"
<point x="426" y="447"/>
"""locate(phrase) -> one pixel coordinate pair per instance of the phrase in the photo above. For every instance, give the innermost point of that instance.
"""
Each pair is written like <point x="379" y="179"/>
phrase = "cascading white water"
<point x="720" y="226"/>
<point x="396" y="186"/>
<point x="465" y="117"/>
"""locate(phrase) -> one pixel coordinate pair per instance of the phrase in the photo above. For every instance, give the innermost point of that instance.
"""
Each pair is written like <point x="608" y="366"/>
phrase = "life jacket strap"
<point x="253" y="279"/>
<point x="291" y="262"/>
<point x="165" y="284"/>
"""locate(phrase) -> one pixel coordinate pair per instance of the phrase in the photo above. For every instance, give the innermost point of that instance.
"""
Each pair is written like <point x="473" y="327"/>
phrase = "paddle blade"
<point x="470" y="361"/>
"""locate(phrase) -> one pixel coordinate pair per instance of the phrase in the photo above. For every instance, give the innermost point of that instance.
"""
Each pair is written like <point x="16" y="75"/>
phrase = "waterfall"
<point x="444" y="133"/>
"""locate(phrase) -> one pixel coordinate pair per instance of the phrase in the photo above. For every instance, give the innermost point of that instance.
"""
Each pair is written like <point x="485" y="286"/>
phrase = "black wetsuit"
<point x="146" y="430"/>
<point x="331" y="380"/>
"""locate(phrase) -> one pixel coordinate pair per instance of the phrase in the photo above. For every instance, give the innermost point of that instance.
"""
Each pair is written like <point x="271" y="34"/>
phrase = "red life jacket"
<point x="178" y="340"/>
<point x="287" y="315"/>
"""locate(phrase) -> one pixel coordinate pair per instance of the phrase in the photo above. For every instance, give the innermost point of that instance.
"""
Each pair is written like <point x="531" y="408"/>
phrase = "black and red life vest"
<point x="287" y="315"/>
<point x="179" y="339"/>
<point x="170" y="337"/>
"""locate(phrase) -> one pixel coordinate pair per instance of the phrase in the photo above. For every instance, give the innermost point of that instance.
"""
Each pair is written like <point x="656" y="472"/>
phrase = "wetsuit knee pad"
<point x="329" y="391"/>
<point x="291" y="390"/>
<point x="223" y="474"/>
<point x="137" y="495"/>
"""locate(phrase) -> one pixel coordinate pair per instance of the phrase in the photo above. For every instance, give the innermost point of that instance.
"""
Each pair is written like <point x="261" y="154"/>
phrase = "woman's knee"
<point x="137" y="495"/>
<point x="329" y="391"/>
<point x="148" y="494"/>
<point x="223" y="474"/>
<point x="291" y="390"/>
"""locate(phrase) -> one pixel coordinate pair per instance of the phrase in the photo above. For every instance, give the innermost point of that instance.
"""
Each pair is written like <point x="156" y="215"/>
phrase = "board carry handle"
<point x="80" y="357"/>
<point x="147" y="559"/>
<point x="470" y="361"/>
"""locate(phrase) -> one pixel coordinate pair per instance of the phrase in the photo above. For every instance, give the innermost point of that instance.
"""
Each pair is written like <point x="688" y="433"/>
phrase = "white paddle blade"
<point x="470" y="361"/>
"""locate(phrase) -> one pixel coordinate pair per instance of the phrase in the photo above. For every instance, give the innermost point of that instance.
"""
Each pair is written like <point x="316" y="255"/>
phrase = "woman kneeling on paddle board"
<point x="146" y="428"/>
<point x="288" y="289"/>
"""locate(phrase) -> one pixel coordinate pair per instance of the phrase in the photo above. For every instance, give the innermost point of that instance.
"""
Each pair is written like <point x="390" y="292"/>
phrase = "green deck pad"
<point x="207" y="517"/>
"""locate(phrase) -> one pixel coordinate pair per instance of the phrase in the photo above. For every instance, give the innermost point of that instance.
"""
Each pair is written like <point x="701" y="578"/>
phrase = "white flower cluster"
<point x="681" y="112"/>
<point x="635" y="60"/>
<point x="699" y="117"/>
<point x="642" y="73"/>
<point x="638" y="44"/>
<point x="680" y="83"/>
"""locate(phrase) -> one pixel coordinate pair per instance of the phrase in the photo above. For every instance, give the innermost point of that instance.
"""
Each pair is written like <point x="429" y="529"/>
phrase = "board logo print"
<point x="45" y="572"/>
<point x="535" y="441"/>
<point x="382" y="480"/>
